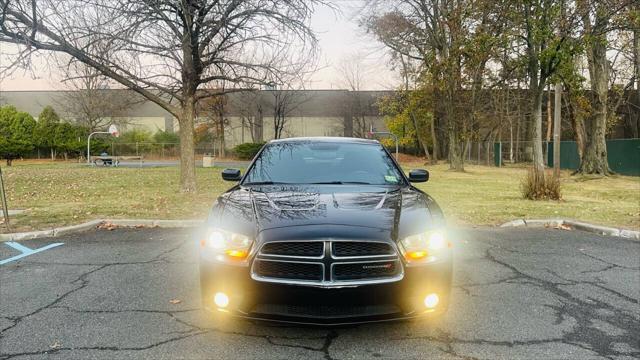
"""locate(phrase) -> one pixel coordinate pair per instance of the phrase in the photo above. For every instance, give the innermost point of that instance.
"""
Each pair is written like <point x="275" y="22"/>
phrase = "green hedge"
<point x="247" y="151"/>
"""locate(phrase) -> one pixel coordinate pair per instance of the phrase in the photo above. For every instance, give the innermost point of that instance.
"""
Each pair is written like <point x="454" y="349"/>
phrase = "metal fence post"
<point x="3" y="198"/>
<point x="497" y="156"/>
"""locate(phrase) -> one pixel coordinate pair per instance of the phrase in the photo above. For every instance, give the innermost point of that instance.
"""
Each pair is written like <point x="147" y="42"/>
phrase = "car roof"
<point x="351" y="140"/>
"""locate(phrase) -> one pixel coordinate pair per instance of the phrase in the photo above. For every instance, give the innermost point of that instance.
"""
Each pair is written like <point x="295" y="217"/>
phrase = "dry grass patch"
<point x="490" y="196"/>
<point x="65" y="193"/>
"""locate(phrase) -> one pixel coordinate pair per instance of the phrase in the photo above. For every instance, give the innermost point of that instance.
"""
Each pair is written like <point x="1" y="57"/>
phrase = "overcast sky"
<point x="339" y="38"/>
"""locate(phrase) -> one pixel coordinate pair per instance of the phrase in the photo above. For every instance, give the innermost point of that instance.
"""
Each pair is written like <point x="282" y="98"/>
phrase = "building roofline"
<point x="325" y="139"/>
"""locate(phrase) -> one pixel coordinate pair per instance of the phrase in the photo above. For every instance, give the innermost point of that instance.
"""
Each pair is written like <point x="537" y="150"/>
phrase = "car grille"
<point x="352" y="248"/>
<point x="370" y="270"/>
<point x="307" y="263"/>
<point x="289" y="270"/>
<point x="300" y="248"/>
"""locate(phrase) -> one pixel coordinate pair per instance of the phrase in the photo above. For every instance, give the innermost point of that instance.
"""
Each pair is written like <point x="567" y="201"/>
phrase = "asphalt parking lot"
<point x="134" y="293"/>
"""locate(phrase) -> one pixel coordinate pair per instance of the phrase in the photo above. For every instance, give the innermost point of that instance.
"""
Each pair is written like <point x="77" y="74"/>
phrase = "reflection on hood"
<point x="251" y="210"/>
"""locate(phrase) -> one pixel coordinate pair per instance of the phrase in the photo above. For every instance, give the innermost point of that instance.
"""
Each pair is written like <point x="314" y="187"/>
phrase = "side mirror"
<point x="418" y="175"/>
<point x="231" y="175"/>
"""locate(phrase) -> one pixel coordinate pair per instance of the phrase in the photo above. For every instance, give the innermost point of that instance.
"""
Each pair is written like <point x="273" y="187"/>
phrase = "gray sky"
<point x="339" y="38"/>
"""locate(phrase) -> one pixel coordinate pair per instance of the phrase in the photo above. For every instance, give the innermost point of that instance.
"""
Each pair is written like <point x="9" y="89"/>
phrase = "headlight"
<point x="226" y="245"/>
<point x="424" y="247"/>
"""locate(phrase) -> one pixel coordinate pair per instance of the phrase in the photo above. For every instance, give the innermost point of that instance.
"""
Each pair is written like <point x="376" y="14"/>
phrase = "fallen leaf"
<point x="107" y="226"/>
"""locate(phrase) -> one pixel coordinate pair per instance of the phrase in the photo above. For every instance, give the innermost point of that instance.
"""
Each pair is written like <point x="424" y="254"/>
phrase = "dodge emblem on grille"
<point x="382" y="266"/>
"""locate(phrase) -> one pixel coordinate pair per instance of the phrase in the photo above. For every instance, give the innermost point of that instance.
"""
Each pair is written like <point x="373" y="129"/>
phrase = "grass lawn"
<point x="64" y="193"/>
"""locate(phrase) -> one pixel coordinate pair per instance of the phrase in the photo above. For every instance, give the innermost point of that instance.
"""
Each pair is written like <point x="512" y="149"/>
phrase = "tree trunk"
<point x="421" y="143"/>
<point x="636" y="55"/>
<point x="557" y="129"/>
<point x="258" y="123"/>
<point x="456" y="157"/>
<point x="575" y="116"/>
<point x="549" y="123"/>
<point x="549" y="119"/>
<point x="634" y="115"/>
<point x="594" y="159"/>
<point x="536" y="133"/>
<point x="187" y="152"/>
<point x="222" y="144"/>
<point x="434" y="138"/>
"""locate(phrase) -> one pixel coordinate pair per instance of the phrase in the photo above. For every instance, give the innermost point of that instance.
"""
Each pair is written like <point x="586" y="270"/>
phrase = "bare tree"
<point x="287" y="96"/>
<point x="353" y="72"/>
<point x="89" y="100"/>
<point x="168" y="51"/>
<point x="597" y="24"/>
<point x="285" y="102"/>
<point x="213" y="111"/>
<point x="250" y="107"/>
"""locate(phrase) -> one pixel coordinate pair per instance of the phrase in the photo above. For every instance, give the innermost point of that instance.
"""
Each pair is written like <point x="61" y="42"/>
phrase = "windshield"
<point x="324" y="163"/>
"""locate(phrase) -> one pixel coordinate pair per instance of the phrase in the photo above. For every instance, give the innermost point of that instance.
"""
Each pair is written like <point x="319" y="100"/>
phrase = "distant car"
<point x="325" y="231"/>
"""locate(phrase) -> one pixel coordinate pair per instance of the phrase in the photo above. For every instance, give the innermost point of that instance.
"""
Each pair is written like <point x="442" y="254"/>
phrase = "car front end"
<point x="325" y="253"/>
<point x="328" y="280"/>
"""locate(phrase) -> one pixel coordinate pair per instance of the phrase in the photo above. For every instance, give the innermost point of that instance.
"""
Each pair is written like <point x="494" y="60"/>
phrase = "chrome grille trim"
<point x="327" y="259"/>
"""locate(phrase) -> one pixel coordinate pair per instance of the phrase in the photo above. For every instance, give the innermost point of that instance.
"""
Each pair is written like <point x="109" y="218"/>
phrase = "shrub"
<point x="166" y="137"/>
<point x="16" y="133"/>
<point x="535" y="187"/>
<point x="135" y="136"/>
<point x="247" y="151"/>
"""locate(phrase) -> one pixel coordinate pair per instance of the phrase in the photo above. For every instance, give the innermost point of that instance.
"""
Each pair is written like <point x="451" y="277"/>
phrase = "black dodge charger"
<point x="325" y="231"/>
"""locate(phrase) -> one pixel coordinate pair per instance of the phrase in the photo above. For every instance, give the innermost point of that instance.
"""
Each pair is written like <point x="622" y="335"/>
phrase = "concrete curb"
<point x="90" y="225"/>
<point x="578" y="225"/>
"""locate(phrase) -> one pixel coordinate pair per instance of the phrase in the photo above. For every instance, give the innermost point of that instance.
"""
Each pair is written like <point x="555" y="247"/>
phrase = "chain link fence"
<point x="516" y="152"/>
<point x="157" y="151"/>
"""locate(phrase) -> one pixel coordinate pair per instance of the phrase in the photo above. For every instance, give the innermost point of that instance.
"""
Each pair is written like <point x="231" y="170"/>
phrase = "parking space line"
<point x="25" y="251"/>
<point x="19" y="247"/>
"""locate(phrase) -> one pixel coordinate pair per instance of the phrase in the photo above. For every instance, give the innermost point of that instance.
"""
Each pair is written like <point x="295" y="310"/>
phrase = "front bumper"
<point x="398" y="300"/>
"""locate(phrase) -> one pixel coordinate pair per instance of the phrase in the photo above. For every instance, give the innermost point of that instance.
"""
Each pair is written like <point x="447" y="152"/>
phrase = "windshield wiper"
<point x="340" y="183"/>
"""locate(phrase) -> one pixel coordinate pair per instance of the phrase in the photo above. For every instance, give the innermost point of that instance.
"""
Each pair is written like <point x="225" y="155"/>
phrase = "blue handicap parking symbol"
<point x="25" y="251"/>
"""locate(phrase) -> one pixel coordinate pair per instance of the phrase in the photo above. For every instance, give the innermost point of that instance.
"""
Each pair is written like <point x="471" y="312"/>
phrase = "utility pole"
<point x="557" y="122"/>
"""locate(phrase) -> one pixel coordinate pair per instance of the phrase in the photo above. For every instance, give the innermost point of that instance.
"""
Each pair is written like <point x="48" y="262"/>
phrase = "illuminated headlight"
<point x="431" y="301"/>
<point x="424" y="247"/>
<point x="221" y="300"/>
<point x="226" y="245"/>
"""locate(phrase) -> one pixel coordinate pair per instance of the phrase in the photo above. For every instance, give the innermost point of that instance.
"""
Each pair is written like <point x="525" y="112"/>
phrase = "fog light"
<point x="222" y="300"/>
<point x="431" y="301"/>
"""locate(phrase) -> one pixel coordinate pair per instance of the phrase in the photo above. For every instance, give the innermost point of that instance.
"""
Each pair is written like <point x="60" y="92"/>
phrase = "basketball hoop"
<point x="113" y="130"/>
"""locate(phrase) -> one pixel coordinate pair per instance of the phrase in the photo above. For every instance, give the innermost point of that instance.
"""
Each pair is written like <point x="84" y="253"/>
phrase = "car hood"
<point x="398" y="210"/>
